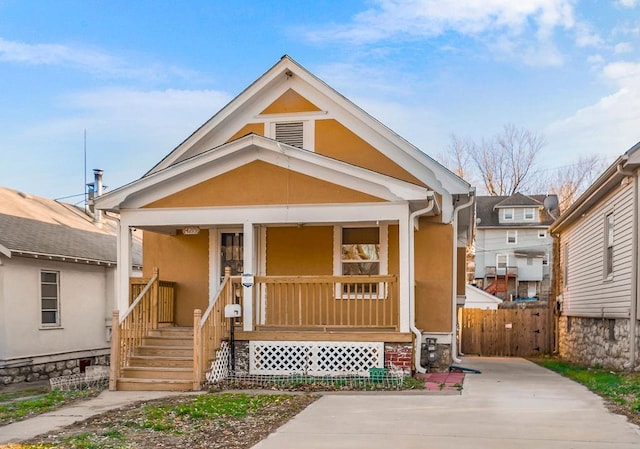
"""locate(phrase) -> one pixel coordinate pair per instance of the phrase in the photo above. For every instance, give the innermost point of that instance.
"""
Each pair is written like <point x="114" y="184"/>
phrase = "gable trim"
<point x="286" y="74"/>
<point x="248" y="149"/>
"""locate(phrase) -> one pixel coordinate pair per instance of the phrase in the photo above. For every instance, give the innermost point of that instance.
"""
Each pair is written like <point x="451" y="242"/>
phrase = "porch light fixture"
<point x="190" y="230"/>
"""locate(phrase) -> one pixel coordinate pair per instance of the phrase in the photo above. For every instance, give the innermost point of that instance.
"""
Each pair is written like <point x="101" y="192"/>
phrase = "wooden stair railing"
<point x="210" y="328"/>
<point x="153" y="304"/>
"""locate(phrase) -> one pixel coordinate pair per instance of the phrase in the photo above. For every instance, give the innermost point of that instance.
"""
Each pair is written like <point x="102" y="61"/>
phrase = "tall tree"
<point x="505" y="162"/>
<point x="568" y="182"/>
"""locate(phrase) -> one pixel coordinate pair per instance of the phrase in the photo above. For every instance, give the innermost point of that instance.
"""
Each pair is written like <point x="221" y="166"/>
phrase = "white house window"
<point x="545" y="259"/>
<point x="512" y="237"/>
<point x="542" y="234"/>
<point x="501" y="263"/>
<point x="529" y="213"/>
<point x="50" y="298"/>
<point x="507" y="214"/>
<point x="291" y="133"/>
<point x="360" y="251"/>
<point x="608" y="250"/>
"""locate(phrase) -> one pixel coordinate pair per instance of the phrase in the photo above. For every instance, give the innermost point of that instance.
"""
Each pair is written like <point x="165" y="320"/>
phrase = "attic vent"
<point x="290" y="133"/>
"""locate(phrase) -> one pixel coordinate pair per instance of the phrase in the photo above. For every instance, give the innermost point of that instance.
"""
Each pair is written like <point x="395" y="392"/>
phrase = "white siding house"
<point x="57" y="288"/>
<point x="598" y="269"/>
<point x="513" y="246"/>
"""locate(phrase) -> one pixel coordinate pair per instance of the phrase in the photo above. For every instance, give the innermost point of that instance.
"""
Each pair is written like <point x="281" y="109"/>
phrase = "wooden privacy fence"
<point x="506" y="332"/>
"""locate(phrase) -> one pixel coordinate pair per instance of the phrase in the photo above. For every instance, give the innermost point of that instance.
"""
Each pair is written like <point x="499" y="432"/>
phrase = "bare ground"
<point x="125" y="427"/>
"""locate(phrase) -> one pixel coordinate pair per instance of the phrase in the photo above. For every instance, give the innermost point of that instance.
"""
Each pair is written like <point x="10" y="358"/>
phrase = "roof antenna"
<point x="84" y="173"/>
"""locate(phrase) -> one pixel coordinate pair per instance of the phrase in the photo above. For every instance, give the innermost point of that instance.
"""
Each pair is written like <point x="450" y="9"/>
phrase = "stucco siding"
<point x="82" y="304"/>
<point x="586" y="291"/>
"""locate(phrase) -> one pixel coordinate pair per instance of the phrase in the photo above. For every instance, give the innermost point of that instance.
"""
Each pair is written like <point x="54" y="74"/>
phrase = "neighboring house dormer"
<point x="520" y="209"/>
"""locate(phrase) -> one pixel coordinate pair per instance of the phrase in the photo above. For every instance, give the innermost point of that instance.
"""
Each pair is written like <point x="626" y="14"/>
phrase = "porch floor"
<point x="323" y="334"/>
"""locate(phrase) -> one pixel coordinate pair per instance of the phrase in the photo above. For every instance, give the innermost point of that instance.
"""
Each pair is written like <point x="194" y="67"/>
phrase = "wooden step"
<point x="128" y="384"/>
<point x="183" y="332"/>
<point x="157" y="360"/>
<point x="164" y="351"/>
<point x="157" y="373"/>
<point x="168" y="341"/>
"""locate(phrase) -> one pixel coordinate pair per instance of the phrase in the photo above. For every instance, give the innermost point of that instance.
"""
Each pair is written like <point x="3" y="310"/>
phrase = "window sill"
<point x="49" y="328"/>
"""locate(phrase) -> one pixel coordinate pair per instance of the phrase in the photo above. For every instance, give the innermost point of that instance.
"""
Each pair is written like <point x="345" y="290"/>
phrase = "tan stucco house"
<point x="350" y="240"/>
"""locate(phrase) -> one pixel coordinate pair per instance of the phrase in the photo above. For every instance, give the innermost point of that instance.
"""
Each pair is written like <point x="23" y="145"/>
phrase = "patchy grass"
<point x="622" y="390"/>
<point x="20" y="405"/>
<point x="229" y="420"/>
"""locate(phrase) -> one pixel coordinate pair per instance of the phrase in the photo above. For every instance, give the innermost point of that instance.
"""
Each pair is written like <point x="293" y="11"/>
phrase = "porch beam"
<point x="123" y="269"/>
<point x="366" y="336"/>
<point x="404" y="279"/>
<point x="248" y="267"/>
<point x="291" y="214"/>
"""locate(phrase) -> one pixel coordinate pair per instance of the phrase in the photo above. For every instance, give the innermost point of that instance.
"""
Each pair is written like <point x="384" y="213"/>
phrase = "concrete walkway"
<point x="47" y="422"/>
<point x="513" y="403"/>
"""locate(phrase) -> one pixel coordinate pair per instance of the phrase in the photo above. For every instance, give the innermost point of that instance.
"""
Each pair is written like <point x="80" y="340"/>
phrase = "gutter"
<point x="431" y="206"/>
<point x="454" y="277"/>
<point x="633" y="307"/>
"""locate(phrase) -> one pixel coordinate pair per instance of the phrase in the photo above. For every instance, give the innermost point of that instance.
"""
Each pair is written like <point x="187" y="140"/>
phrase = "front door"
<point x="231" y="252"/>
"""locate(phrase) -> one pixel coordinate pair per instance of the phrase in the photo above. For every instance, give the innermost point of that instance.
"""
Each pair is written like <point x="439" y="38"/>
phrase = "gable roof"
<point x="610" y="178"/>
<point x="34" y="226"/>
<point x="487" y="209"/>
<point x="287" y="74"/>
<point x="253" y="147"/>
<point x="518" y="200"/>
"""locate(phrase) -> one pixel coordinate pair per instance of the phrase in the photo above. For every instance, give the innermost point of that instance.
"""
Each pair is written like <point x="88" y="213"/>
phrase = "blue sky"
<point x="140" y="76"/>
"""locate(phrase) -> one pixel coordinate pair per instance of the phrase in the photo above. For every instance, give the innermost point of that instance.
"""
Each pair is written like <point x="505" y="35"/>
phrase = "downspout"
<point x="431" y="206"/>
<point x="633" y="306"/>
<point x="454" y="277"/>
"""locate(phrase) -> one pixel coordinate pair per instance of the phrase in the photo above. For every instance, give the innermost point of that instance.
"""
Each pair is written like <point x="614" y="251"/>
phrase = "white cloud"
<point x="628" y="3"/>
<point x="518" y="23"/>
<point x="609" y="126"/>
<point x="623" y="47"/>
<point x="89" y="60"/>
<point x="128" y="131"/>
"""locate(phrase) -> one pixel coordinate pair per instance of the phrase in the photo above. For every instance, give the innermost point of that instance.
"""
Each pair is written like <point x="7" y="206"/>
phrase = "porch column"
<point x="123" y="269"/>
<point x="249" y="266"/>
<point x="404" y="280"/>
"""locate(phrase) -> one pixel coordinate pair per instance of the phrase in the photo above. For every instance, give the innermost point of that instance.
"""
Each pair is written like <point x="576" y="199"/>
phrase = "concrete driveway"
<point x="512" y="404"/>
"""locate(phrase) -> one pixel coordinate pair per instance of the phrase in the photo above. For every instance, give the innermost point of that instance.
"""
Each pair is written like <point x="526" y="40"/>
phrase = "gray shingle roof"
<point x="487" y="213"/>
<point x="32" y="236"/>
<point x="34" y="225"/>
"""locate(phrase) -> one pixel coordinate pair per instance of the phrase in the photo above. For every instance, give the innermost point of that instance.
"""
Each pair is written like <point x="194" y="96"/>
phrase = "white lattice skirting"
<point x="220" y="365"/>
<point x="318" y="358"/>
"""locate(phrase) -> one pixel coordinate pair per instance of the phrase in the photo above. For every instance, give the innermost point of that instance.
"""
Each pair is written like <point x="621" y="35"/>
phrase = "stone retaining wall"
<point x="595" y="341"/>
<point x="44" y="371"/>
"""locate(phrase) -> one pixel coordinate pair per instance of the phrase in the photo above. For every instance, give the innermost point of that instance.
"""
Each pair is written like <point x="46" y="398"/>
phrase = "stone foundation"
<point x="399" y="357"/>
<point x="596" y="341"/>
<point x="44" y="371"/>
<point x="242" y="357"/>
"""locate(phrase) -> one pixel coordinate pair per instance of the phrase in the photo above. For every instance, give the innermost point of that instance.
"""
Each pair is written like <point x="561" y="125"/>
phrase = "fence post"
<point x="155" y="296"/>
<point x="197" y="350"/>
<point x="114" y="370"/>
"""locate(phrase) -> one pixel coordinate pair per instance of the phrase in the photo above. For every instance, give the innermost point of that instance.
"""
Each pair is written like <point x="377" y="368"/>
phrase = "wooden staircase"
<point x="164" y="361"/>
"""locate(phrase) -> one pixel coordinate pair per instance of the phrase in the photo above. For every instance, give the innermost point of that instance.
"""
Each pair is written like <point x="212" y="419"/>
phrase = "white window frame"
<point x="542" y="234"/>
<point x="511" y="232"/>
<point x="506" y="263"/>
<point x="609" y="240"/>
<point x="57" y="309"/>
<point x="533" y="214"/>
<point x="308" y="129"/>
<point x="383" y="230"/>
<point x="545" y="259"/>
<point x="504" y="214"/>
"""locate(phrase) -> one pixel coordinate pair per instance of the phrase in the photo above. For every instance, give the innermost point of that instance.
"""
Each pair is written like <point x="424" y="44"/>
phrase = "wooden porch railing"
<point x="323" y="302"/>
<point x="210" y="328"/>
<point x="153" y="304"/>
